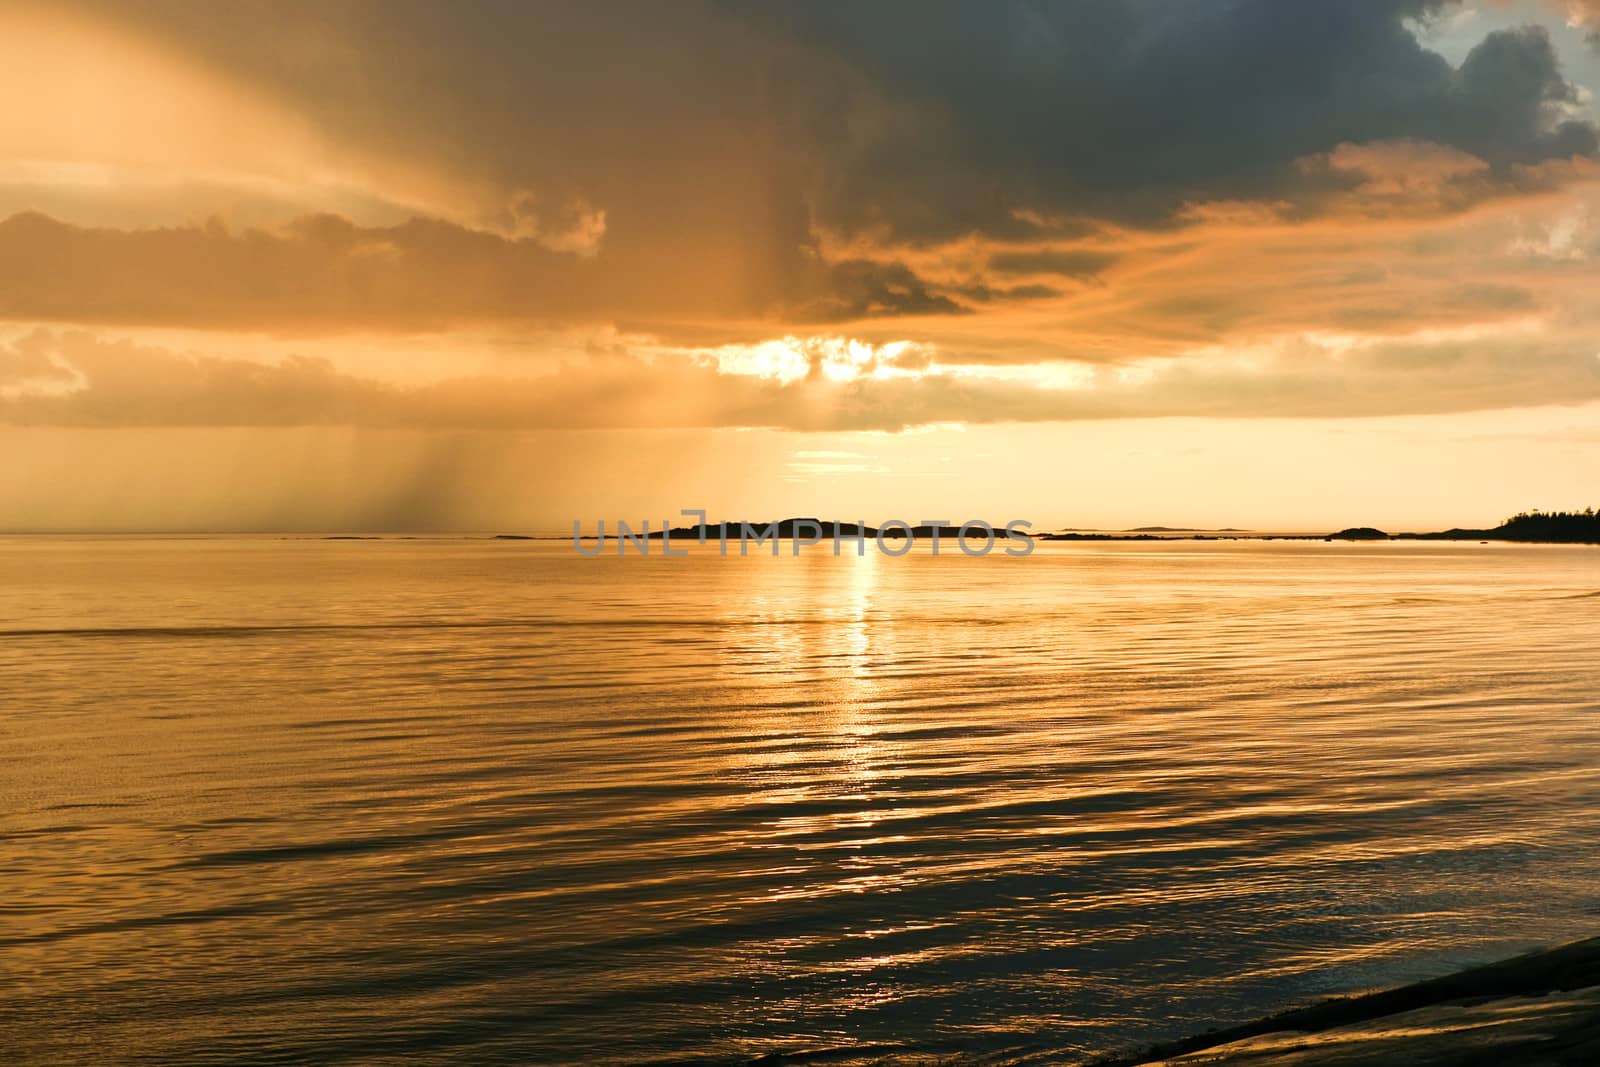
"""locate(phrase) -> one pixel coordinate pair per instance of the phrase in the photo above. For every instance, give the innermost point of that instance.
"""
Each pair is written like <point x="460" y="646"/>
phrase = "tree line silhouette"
<point x="1563" y="526"/>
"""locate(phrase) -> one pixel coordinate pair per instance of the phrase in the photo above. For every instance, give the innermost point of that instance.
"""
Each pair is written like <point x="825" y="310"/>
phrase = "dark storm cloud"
<point x="1128" y="109"/>
<point x="919" y="120"/>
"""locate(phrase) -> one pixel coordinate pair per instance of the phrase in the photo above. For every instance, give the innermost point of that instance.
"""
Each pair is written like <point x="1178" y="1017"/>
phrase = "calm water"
<point x="269" y="800"/>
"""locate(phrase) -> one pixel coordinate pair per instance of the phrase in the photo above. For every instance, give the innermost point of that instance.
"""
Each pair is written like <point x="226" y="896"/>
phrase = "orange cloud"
<point x="76" y="379"/>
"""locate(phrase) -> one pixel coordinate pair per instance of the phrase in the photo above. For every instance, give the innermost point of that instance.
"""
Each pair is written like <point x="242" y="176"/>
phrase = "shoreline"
<point x="1542" y="1007"/>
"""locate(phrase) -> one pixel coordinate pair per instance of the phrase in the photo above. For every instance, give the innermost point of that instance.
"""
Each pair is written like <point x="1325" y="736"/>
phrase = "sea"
<point x="458" y="800"/>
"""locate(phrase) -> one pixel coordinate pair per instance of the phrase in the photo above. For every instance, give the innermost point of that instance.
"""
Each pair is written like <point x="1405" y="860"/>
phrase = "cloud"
<point x="29" y="363"/>
<point x="773" y="120"/>
<point x="1130" y="110"/>
<point x="324" y="272"/>
<point x="713" y="168"/>
<point x="1068" y="263"/>
<point x="1042" y="191"/>
<point x="1403" y="240"/>
<point x="573" y="226"/>
<point x="859" y="289"/>
<point x="120" y="384"/>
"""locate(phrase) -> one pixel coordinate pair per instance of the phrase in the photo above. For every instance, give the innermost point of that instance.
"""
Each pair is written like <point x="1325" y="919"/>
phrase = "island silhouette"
<point x="1533" y="527"/>
<point x="785" y="529"/>
<point x="1528" y="527"/>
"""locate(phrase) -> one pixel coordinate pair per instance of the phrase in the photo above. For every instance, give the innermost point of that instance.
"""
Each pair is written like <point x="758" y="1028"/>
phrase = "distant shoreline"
<point x="1533" y="527"/>
<point x="1460" y="536"/>
<point x="1527" y="528"/>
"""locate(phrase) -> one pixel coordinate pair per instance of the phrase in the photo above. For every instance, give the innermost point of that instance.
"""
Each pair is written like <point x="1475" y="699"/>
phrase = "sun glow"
<point x="835" y="359"/>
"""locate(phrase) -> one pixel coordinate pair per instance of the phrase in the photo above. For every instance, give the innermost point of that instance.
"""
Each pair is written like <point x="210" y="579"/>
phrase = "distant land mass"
<point x="1529" y="527"/>
<point x="1360" y="533"/>
<point x="809" y="527"/>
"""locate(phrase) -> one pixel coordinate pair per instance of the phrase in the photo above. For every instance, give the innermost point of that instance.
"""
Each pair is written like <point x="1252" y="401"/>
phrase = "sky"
<point x="418" y="266"/>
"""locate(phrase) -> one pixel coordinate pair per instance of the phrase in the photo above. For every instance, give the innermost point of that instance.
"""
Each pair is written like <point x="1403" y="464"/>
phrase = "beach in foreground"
<point x="1542" y="1008"/>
